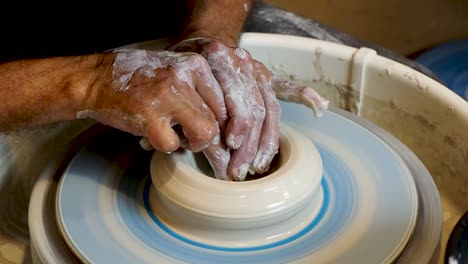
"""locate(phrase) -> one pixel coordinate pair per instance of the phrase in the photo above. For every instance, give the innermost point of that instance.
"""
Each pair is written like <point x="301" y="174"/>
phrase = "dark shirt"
<point x="46" y="29"/>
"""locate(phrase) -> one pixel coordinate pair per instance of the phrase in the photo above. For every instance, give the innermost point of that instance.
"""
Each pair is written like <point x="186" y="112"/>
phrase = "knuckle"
<point x="242" y="54"/>
<point x="199" y="60"/>
<point x="165" y="73"/>
<point x="195" y="58"/>
<point x="245" y="122"/>
<point x="208" y="133"/>
<point x="259" y="113"/>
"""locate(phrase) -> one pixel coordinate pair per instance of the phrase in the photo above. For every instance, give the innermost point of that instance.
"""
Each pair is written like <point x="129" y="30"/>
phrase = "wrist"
<point x="218" y="19"/>
<point x="41" y="91"/>
<point x="94" y="74"/>
<point x="224" y="38"/>
<point x="192" y="44"/>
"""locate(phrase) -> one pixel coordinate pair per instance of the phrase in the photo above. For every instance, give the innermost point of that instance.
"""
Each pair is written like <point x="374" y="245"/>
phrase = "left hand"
<point x="250" y="93"/>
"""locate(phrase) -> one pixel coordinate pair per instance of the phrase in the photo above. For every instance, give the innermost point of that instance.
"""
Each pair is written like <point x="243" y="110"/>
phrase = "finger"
<point x="291" y="92"/>
<point x="210" y="91"/>
<point x="242" y="158"/>
<point x="237" y="88"/>
<point x="239" y="124"/>
<point x="269" y="139"/>
<point x="218" y="156"/>
<point x="199" y="128"/>
<point x="161" y="136"/>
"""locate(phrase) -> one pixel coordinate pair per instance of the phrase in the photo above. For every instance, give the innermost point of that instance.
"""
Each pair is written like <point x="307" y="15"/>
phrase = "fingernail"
<point x="242" y="172"/>
<point x="234" y="142"/>
<point x="230" y="140"/>
<point x="238" y="141"/>
<point x="324" y="104"/>
<point x="262" y="162"/>
<point x="145" y="144"/>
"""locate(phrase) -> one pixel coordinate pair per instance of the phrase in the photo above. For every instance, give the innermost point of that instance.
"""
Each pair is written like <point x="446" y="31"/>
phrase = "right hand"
<point x="149" y="93"/>
<point x="251" y="93"/>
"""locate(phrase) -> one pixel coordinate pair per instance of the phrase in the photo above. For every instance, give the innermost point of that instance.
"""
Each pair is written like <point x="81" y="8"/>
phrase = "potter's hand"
<point x="253" y="124"/>
<point x="249" y="91"/>
<point x="148" y="93"/>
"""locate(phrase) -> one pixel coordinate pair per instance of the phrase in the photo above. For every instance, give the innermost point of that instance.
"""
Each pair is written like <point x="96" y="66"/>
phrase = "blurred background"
<point x="404" y="26"/>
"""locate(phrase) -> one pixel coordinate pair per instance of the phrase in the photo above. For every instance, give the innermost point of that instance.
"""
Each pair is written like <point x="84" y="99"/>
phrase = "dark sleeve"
<point x="51" y="30"/>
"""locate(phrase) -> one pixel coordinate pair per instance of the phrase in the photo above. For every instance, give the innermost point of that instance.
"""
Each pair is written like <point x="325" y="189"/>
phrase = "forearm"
<point x="36" y="92"/>
<point x="219" y="19"/>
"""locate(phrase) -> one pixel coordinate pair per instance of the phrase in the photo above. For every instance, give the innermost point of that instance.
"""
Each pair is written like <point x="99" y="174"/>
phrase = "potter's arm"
<point x="35" y="92"/>
<point x="222" y="20"/>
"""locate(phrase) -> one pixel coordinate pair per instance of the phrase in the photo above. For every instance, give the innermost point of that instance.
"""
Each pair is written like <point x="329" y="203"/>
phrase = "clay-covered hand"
<point x="170" y="98"/>
<point x="250" y="93"/>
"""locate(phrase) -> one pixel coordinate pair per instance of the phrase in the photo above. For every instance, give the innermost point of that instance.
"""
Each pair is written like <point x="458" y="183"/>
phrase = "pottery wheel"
<point x="372" y="205"/>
